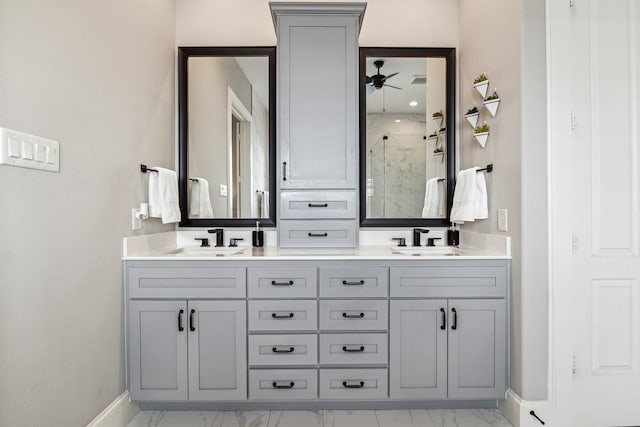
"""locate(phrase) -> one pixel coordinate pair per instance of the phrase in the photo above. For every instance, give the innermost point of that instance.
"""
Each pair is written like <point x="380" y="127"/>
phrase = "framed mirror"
<point x="226" y="136"/>
<point x="407" y="136"/>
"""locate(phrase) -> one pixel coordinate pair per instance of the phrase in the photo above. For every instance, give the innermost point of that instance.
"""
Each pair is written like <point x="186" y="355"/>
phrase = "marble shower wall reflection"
<point x="399" y="166"/>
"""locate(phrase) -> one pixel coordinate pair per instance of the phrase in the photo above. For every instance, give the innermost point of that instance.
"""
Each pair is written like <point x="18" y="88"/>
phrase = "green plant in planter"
<point x="438" y="150"/>
<point x="437" y="114"/>
<point x="473" y="110"/>
<point x="433" y="135"/>
<point x="482" y="129"/>
<point x="481" y="78"/>
<point x="493" y="96"/>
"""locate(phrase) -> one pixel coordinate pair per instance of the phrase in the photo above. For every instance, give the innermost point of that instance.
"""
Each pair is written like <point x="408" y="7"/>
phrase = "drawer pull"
<point x="318" y="205"/>
<point x="444" y="319"/>
<point x="361" y="282"/>
<point x="282" y="316"/>
<point x="284" y="171"/>
<point x="289" y="385"/>
<point x="180" y="327"/>
<point x="191" y="327"/>
<point x="283" y="350"/>
<point x="289" y="283"/>
<point x="346" y="384"/>
<point x="352" y="316"/>
<point x="455" y="319"/>
<point x="353" y="350"/>
<point x="318" y="234"/>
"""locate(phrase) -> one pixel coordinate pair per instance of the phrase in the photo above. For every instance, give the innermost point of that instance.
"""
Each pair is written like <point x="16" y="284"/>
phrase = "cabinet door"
<point x="418" y="349"/>
<point x="318" y="93"/>
<point x="217" y="350"/>
<point x="158" y="350"/>
<point x="477" y="349"/>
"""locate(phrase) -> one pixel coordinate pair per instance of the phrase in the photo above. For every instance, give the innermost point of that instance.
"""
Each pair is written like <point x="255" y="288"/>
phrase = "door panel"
<point x="418" y="350"/>
<point x="157" y="350"/>
<point x="217" y="350"/>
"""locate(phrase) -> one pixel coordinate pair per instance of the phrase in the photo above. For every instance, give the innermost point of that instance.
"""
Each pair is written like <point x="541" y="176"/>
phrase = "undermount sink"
<point x="426" y="250"/>
<point x="206" y="251"/>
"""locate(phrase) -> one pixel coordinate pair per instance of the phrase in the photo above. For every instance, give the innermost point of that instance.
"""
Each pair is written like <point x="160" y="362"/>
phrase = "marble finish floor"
<point x="325" y="418"/>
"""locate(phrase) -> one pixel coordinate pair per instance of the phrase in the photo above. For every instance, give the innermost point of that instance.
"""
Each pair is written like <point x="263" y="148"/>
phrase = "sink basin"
<point x="210" y="251"/>
<point x="426" y="251"/>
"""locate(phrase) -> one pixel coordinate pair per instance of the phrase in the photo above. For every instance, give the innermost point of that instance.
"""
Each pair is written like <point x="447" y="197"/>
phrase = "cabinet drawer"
<point x="283" y="315"/>
<point x="353" y="384"/>
<point x="317" y="234"/>
<point x="186" y="282"/>
<point x="282" y="282"/>
<point x="318" y="204"/>
<point x="287" y="384"/>
<point x="449" y="281"/>
<point x="283" y="350"/>
<point x="358" y="349"/>
<point x="354" y="282"/>
<point x="351" y="315"/>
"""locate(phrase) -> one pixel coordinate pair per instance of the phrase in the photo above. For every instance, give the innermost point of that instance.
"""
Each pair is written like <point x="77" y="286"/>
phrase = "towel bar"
<point x="145" y="169"/>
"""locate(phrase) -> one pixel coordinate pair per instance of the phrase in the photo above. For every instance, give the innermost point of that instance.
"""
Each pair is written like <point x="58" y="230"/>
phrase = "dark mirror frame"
<point x="184" y="53"/>
<point x="449" y="54"/>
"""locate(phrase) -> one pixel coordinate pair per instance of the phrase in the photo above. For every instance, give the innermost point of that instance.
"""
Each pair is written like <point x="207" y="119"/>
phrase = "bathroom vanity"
<point x="374" y="326"/>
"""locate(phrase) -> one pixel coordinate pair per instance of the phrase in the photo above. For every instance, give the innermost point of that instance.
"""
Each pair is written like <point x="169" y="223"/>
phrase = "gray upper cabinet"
<point x="317" y="122"/>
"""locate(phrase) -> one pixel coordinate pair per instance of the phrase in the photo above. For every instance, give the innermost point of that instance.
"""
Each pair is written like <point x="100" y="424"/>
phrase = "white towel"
<point x="264" y="206"/>
<point x="470" y="197"/>
<point x="199" y="199"/>
<point x="432" y="199"/>
<point x="163" y="195"/>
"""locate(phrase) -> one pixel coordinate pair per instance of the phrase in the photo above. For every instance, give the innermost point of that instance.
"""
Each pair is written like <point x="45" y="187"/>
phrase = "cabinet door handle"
<point x="283" y="350"/>
<point x="352" y="316"/>
<point x="191" y="323"/>
<point x="455" y="319"/>
<point x="289" y="283"/>
<point x="353" y="350"/>
<point x="318" y="234"/>
<point x="359" y="282"/>
<point x="444" y="319"/>
<point x="318" y="205"/>
<point x="277" y="385"/>
<point x="284" y="171"/>
<point x="349" y="385"/>
<point x="180" y="327"/>
<point x="282" y="316"/>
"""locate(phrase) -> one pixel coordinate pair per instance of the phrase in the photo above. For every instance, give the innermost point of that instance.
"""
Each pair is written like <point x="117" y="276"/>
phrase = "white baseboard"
<point x="511" y="408"/>
<point x="117" y="414"/>
<point x="516" y="410"/>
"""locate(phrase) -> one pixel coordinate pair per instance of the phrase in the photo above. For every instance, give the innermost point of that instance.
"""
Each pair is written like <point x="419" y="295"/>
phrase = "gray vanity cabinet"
<point x="418" y="350"/>
<point x="317" y="131"/>
<point x="183" y="350"/>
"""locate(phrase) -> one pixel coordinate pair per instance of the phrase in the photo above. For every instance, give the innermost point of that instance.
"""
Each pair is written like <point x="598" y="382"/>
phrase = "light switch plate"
<point x="502" y="220"/>
<point x="22" y="150"/>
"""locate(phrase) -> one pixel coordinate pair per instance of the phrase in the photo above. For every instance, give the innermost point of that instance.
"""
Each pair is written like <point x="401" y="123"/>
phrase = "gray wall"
<point x="99" y="78"/>
<point x="505" y="40"/>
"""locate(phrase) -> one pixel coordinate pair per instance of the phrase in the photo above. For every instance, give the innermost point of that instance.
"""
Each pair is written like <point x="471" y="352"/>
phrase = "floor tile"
<point x="404" y="418"/>
<point x="295" y="419"/>
<point x="350" y="419"/>
<point x="467" y="418"/>
<point x="146" y="419"/>
<point x="188" y="419"/>
<point x="242" y="419"/>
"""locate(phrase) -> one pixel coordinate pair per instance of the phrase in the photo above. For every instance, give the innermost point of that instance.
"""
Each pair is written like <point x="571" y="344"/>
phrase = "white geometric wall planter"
<point x="472" y="119"/>
<point x="438" y="121"/>
<point x="482" y="87"/>
<point x="492" y="105"/>
<point x="481" y="138"/>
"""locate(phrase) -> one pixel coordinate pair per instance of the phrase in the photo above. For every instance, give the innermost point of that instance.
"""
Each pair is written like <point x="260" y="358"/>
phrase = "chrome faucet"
<point x="417" y="232"/>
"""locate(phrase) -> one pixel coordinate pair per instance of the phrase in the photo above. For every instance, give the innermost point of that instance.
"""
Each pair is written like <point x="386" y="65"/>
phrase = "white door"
<point x="606" y="150"/>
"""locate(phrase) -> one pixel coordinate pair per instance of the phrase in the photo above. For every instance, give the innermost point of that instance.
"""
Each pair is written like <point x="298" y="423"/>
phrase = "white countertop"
<point x="168" y="246"/>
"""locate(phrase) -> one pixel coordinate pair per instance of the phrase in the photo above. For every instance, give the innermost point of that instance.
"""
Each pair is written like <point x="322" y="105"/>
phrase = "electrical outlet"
<point x="223" y="190"/>
<point x="502" y="220"/>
